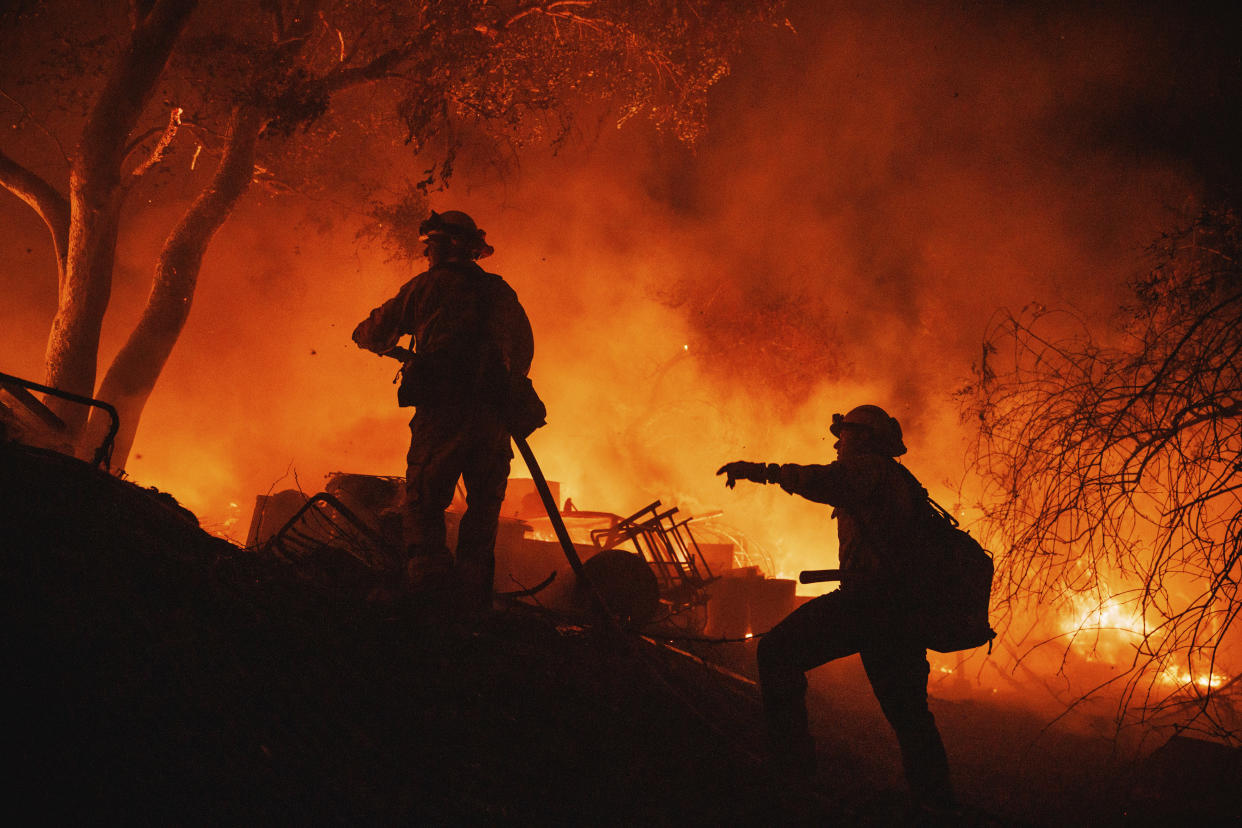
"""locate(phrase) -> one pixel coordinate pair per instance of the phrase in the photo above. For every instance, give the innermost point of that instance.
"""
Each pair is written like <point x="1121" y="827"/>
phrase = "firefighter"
<point x="874" y="500"/>
<point x="472" y="339"/>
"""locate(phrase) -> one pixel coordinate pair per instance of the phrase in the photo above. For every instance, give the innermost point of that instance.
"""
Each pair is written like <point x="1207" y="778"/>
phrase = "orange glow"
<point x="1110" y="627"/>
<point x="1179" y="677"/>
<point x="839" y="240"/>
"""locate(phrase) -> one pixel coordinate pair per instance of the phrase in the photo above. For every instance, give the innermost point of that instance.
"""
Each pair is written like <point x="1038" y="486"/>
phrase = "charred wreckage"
<point x="648" y="567"/>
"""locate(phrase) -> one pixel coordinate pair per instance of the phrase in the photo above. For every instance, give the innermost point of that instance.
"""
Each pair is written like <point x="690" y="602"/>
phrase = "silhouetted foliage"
<point x="1112" y="465"/>
<point x="297" y="93"/>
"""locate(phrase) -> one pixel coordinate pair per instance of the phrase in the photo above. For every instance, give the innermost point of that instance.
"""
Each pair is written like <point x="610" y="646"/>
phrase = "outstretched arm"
<point x="742" y="470"/>
<point x="820" y="484"/>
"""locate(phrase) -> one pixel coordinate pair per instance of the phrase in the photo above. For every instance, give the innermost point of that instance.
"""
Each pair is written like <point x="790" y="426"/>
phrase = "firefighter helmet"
<point x="885" y="430"/>
<point x="460" y="228"/>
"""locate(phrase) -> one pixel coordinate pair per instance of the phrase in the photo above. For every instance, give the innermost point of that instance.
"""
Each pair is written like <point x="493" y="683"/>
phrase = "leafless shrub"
<point x="1111" y="465"/>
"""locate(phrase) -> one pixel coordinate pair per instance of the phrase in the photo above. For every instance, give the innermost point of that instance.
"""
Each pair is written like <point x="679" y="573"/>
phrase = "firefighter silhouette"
<point x="874" y="501"/>
<point x="471" y="338"/>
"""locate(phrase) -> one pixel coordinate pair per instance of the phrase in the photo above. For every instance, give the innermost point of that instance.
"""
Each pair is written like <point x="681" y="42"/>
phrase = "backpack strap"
<point x="936" y="508"/>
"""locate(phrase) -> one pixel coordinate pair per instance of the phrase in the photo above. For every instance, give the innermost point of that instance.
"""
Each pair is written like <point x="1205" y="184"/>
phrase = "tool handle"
<point x="818" y="576"/>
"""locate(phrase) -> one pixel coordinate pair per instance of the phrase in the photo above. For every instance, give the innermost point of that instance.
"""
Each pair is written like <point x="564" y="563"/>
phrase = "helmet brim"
<point x="479" y="249"/>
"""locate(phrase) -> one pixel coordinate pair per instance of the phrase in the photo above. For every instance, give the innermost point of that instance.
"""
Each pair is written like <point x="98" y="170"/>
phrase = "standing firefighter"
<point x="875" y="501"/>
<point x="472" y="344"/>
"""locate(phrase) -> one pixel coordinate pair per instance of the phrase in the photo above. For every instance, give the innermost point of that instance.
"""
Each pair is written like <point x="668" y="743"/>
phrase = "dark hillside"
<point x="157" y="674"/>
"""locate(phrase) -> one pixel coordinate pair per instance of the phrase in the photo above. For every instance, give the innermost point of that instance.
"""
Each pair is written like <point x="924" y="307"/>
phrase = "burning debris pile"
<point x="649" y="567"/>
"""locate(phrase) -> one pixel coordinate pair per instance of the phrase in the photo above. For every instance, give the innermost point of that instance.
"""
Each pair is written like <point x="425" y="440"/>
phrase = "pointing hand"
<point x="742" y="470"/>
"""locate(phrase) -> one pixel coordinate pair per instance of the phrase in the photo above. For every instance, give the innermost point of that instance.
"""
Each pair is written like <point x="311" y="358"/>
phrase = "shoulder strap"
<point x="919" y="489"/>
<point x="937" y="509"/>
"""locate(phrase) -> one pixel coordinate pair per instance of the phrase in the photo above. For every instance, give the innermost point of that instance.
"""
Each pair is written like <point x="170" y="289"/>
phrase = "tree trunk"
<point x="96" y="193"/>
<point x="133" y="373"/>
<point x="73" y="342"/>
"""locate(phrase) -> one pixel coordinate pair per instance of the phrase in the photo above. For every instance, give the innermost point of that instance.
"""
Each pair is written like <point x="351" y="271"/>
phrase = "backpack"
<point x="951" y="578"/>
<point x="956" y="584"/>
<point x="426" y="379"/>
<point x="431" y="377"/>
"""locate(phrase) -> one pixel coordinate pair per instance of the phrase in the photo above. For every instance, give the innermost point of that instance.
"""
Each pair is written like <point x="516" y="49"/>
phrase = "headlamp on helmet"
<point x="884" y="430"/>
<point x="458" y="228"/>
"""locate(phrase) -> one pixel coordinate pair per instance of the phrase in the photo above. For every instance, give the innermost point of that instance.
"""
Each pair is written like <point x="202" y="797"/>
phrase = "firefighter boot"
<point x="475" y="581"/>
<point x="430" y="575"/>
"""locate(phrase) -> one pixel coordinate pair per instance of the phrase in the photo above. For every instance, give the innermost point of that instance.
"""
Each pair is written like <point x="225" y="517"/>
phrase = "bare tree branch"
<point x="1112" y="465"/>
<point x="42" y="127"/>
<point x="168" y="133"/>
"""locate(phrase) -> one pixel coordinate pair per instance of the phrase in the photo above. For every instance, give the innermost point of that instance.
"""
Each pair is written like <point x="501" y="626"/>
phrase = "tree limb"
<point x="95" y="198"/>
<point x="161" y="146"/>
<point x="42" y="127"/>
<point x="544" y="8"/>
<point x="51" y="205"/>
<point x="129" y="87"/>
<point x="133" y="373"/>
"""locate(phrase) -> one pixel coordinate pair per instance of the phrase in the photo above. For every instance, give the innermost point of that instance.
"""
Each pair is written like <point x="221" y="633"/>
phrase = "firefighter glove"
<point x="741" y="470"/>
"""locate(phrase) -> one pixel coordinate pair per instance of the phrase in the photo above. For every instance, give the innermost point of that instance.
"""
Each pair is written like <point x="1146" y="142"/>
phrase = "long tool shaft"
<point x="558" y="526"/>
<point x="818" y="576"/>
<point x="549" y="504"/>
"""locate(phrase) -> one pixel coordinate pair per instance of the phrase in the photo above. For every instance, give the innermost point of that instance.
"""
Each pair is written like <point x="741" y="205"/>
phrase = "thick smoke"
<point x="875" y="185"/>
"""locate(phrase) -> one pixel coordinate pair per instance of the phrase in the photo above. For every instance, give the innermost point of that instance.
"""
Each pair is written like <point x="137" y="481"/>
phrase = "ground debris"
<point x="159" y="674"/>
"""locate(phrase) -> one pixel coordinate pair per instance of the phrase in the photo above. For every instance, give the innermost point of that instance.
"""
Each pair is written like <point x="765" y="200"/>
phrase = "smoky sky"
<point x="877" y="182"/>
<point x="886" y="177"/>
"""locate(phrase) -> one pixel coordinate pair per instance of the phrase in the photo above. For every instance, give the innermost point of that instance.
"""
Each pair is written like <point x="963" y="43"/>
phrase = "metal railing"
<point x="20" y="389"/>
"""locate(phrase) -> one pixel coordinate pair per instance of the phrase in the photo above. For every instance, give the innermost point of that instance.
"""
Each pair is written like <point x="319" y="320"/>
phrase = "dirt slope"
<point x="160" y="675"/>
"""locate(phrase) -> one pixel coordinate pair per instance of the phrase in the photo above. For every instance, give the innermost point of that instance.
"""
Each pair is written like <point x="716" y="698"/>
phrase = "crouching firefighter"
<point x="472" y="345"/>
<point x="874" y="500"/>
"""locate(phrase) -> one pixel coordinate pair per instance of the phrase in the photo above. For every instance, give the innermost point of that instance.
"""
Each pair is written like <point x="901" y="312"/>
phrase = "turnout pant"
<point x="833" y="626"/>
<point x="449" y="442"/>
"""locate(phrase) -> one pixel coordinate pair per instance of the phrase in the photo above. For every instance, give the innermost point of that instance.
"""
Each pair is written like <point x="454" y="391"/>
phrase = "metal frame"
<point x="17" y="387"/>
<point x="667" y="545"/>
<point x="325" y="520"/>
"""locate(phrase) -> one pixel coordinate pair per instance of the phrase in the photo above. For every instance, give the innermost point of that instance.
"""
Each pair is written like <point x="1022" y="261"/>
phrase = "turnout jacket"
<point x="876" y="503"/>
<point x="457" y="312"/>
